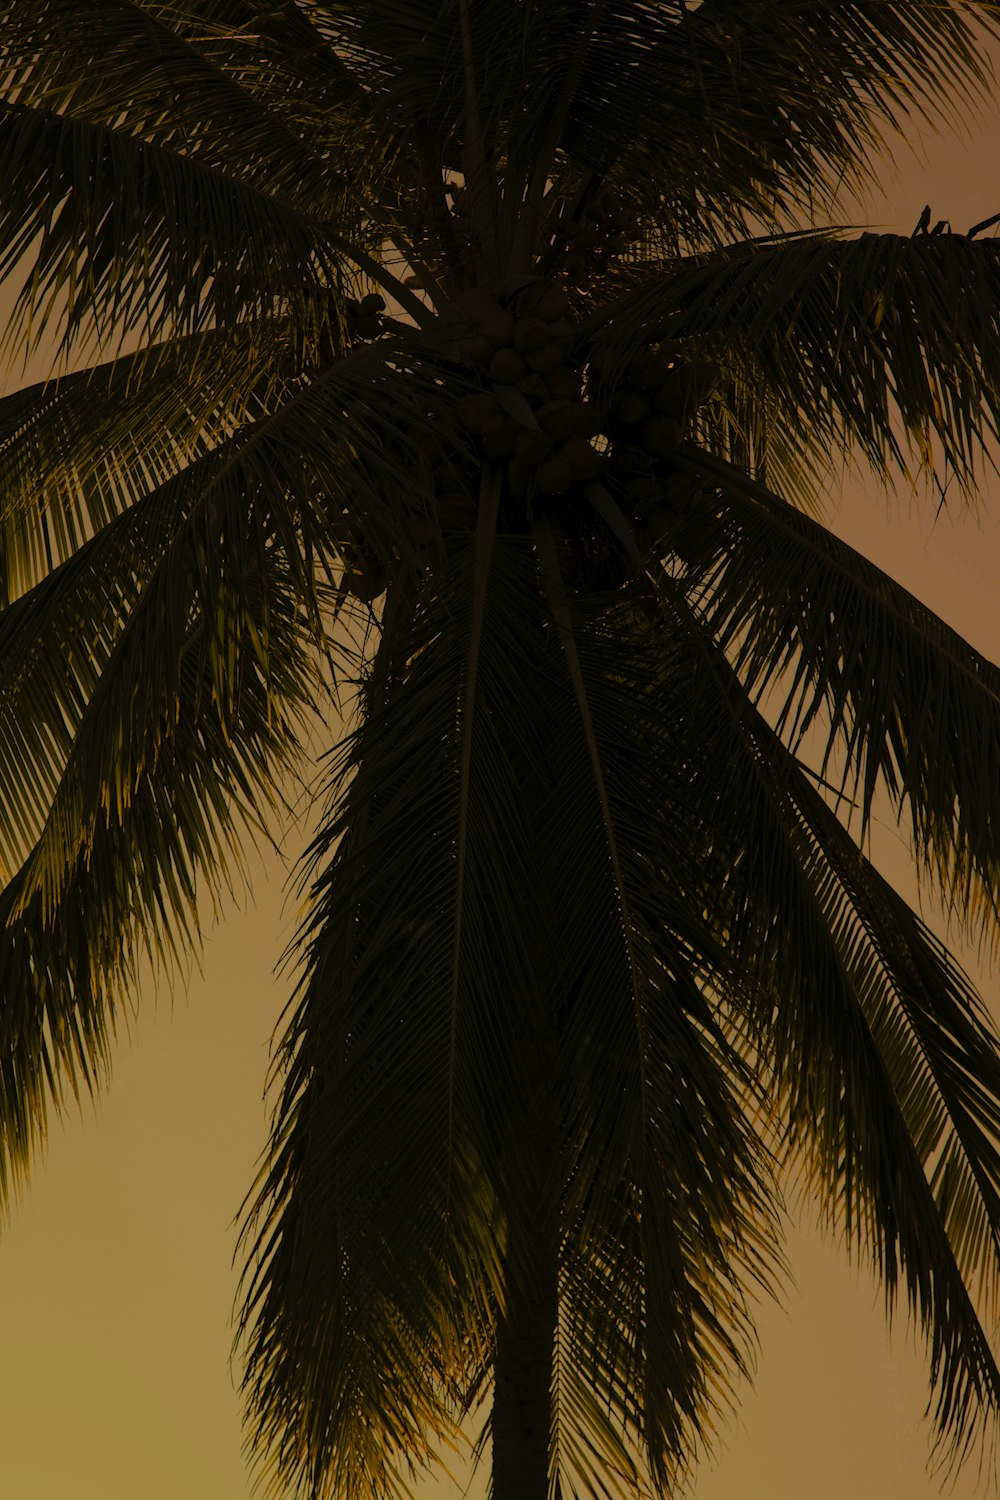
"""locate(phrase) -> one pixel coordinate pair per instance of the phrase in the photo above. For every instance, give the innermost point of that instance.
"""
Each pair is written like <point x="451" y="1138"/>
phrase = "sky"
<point x="116" y="1264"/>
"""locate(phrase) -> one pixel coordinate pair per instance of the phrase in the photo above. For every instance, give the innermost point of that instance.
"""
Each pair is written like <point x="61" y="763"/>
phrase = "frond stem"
<point x="421" y="315"/>
<point x="477" y="173"/>
<point x="527" y="224"/>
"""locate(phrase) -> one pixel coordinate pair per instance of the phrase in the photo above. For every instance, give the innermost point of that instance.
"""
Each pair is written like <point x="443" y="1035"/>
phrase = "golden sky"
<point x="116" y="1281"/>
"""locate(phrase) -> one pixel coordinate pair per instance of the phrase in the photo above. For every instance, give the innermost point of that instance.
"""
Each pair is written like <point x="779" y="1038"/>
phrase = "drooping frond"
<point x="165" y="741"/>
<point x="668" y="1212"/>
<point x="885" y="1063"/>
<point x="902" y="704"/>
<point x="151" y="685"/>
<point x="133" y="237"/>
<point x="77" y="451"/>
<point x="882" y="345"/>
<point x="408" y="1055"/>
<point x="376" y="1231"/>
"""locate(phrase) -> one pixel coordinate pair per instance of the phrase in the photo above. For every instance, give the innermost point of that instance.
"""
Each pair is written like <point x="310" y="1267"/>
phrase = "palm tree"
<point x="475" y="367"/>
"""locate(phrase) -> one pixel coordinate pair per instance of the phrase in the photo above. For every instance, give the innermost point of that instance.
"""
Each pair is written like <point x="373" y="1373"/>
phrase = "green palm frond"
<point x="906" y="706"/>
<point x="162" y="781"/>
<point x="883" y="345"/>
<point x="668" y="1193"/>
<point x="635" y="1036"/>
<point x="132" y="237"/>
<point x="390" y="1148"/>
<point x="122" y="64"/>
<point x="77" y="451"/>
<point x="885" y="1060"/>
<point x="278" y="486"/>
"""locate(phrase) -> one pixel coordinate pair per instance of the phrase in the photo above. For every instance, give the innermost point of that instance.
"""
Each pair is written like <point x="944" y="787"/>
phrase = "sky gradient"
<point x="116" y="1275"/>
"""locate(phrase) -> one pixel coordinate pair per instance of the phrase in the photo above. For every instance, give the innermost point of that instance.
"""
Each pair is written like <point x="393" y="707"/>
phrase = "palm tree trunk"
<point x="522" y="1400"/>
<point x="522" y="1394"/>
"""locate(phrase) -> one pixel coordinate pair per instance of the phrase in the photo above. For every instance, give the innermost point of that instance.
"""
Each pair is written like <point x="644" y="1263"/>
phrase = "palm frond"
<point x="78" y="450"/>
<point x="139" y="68"/>
<point x="885" y="1064"/>
<point x="759" y="111"/>
<point x="886" y="345"/>
<point x="112" y="231"/>
<point x="175" y="755"/>
<point x="668" y="1213"/>
<point x="402" y="1059"/>
<point x="908" y="708"/>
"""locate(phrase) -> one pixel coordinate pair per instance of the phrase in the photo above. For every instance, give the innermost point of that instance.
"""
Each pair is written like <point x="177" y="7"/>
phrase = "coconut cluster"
<point x="650" y="404"/>
<point x="534" y="418"/>
<point x="364" y="317"/>
<point x="320" y="337"/>
<point x="596" y="235"/>
<point x="540" y="406"/>
<point x="649" y="408"/>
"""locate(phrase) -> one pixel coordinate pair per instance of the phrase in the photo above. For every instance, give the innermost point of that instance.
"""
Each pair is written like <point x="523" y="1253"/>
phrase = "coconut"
<point x="672" y="401"/>
<point x="365" y="583"/>
<point x="584" y="460"/>
<point x="500" y="435"/>
<point x="369" y="327"/>
<point x="479" y="351"/>
<point x="530" y="334"/>
<point x="585" y="418"/>
<point x="371" y="540"/>
<point x="557" y="419"/>
<point x="507" y="367"/>
<point x="535" y="388"/>
<point x="631" y="408"/>
<point x="662" y="435"/>
<point x="660" y="367"/>
<point x="529" y="297"/>
<point x="562" y="333"/>
<point x="564" y="384"/>
<point x="552" y="305"/>
<point x="475" y="411"/>
<point x="532" y="445"/>
<point x="370" y="305"/>
<point x="546" y="359"/>
<point x="555" y="475"/>
<point x="498" y="326"/>
<point x="477" y="303"/>
<point x="686" y="388"/>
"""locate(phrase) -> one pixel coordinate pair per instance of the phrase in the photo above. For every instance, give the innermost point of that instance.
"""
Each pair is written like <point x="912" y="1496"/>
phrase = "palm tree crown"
<point x="483" y="361"/>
